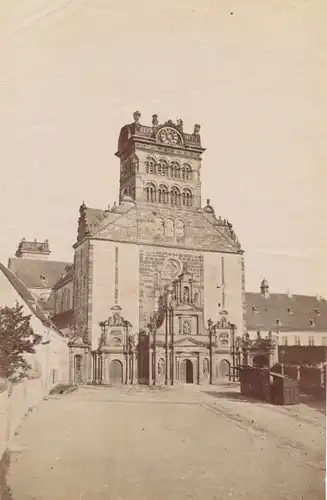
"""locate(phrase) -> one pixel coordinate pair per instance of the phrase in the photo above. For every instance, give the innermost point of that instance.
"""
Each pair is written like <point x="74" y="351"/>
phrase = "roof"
<point x="64" y="319"/>
<point x="36" y="247"/>
<point x="26" y="296"/>
<point x="139" y="223"/>
<point x="38" y="273"/>
<point x="294" y="312"/>
<point x="65" y="278"/>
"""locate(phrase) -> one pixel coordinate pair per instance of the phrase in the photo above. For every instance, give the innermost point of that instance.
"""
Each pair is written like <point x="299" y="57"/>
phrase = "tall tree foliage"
<point x="17" y="339"/>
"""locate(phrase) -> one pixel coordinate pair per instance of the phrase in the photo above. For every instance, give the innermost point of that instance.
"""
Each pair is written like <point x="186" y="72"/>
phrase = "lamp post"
<point x="233" y="328"/>
<point x="210" y="327"/>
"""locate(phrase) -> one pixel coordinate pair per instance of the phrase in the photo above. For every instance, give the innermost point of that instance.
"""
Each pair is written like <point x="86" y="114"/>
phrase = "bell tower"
<point x="160" y="164"/>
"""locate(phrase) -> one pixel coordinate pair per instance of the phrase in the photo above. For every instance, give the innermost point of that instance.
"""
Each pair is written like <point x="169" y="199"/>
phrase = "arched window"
<point x="175" y="169"/>
<point x="150" y="165"/>
<point x="187" y="172"/>
<point x="175" y="196"/>
<point x="163" y="168"/>
<point x="150" y="190"/>
<point x="187" y="198"/>
<point x="183" y="173"/>
<point x="162" y="194"/>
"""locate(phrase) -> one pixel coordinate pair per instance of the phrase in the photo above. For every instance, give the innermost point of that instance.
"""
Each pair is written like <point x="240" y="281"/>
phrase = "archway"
<point x="189" y="372"/>
<point x="116" y="372"/>
<point x="224" y="368"/>
<point x="260" y="361"/>
<point x="78" y="369"/>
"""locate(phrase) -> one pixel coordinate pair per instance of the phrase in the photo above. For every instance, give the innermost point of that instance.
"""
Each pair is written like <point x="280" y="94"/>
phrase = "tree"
<point x="17" y="339"/>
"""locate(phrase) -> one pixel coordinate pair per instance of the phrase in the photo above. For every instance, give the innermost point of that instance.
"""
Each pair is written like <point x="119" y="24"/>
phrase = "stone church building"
<point x="158" y="279"/>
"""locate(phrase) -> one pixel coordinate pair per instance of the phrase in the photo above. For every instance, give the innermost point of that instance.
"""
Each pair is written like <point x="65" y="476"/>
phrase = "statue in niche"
<point x="196" y="299"/>
<point x="131" y="341"/>
<point x="160" y="366"/>
<point x="186" y="328"/>
<point x="186" y="294"/>
<point x="116" y="319"/>
<point x="160" y="226"/>
<point x="205" y="366"/>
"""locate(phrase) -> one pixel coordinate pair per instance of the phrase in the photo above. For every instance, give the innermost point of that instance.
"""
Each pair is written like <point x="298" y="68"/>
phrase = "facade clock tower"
<point x="160" y="165"/>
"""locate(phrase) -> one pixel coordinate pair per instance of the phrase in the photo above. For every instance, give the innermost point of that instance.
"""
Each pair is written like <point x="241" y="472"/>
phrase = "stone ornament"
<point x="168" y="136"/>
<point x="172" y="268"/>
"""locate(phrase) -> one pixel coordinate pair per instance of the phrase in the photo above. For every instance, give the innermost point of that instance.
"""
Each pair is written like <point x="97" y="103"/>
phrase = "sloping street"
<point x="178" y="444"/>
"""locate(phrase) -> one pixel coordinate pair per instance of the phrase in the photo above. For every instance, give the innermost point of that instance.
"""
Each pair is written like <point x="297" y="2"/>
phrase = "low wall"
<point x="312" y="379"/>
<point x="15" y="402"/>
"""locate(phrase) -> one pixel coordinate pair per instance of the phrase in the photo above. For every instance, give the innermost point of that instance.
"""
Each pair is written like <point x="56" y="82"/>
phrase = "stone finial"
<point x="197" y="129"/>
<point x="137" y="116"/>
<point x="155" y="120"/>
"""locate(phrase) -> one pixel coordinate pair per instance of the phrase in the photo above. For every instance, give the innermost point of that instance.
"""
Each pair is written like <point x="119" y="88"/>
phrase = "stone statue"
<point x="259" y="335"/>
<point x="180" y="123"/>
<point x="186" y="328"/>
<point x="186" y="294"/>
<point x="197" y="128"/>
<point x="155" y="120"/>
<point x="137" y="116"/>
<point x="160" y="366"/>
<point x="116" y="319"/>
<point x="205" y="366"/>
<point x="131" y="340"/>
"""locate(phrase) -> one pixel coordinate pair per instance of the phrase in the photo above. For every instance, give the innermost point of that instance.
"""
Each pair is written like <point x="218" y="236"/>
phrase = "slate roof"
<point x="26" y="296"/>
<point x="32" y="271"/>
<point x="64" y="319"/>
<point x="294" y="312"/>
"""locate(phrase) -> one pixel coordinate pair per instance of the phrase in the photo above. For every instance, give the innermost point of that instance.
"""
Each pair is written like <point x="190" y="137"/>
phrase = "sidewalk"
<point x="299" y="426"/>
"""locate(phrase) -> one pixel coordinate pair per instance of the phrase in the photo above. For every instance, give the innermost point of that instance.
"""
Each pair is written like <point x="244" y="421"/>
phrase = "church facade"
<point x="158" y="279"/>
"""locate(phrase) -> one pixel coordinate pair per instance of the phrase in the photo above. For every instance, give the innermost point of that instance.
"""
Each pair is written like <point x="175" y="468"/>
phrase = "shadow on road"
<point x="318" y="404"/>
<point x="232" y="396"/>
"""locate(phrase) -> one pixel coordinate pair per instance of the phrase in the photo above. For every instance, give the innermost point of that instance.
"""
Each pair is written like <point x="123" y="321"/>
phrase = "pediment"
<point x="189" y="342"/>
<point x="186" y="308"/>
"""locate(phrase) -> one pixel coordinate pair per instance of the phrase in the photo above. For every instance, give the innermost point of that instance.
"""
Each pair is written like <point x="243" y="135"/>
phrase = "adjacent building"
<point x="294" y="320"/>
<point x="32" y="266"/>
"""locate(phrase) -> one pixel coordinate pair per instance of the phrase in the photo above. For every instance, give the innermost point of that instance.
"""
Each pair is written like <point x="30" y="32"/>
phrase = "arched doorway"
<point x="260" y="362"/>
<point x="189" y="372"/>
<point x="224" y="369"/>
<point x="78" y="369"/>
<point x="116" y="372"/>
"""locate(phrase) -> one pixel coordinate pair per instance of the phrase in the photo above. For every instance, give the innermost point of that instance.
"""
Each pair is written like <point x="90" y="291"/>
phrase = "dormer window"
<point x="278" y="322"/>
<point x="317" y="311"/>
<point x="290" y="310"/>
<point x="43" y="277"/>
<point x="312" y="323"/>
<point x="255" y="309"/>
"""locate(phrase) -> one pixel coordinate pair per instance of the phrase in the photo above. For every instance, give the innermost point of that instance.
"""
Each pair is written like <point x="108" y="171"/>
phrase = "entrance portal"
<point x="116" y="372"/>
<point x="189" y="372"/>
<point x="224" y="369"/>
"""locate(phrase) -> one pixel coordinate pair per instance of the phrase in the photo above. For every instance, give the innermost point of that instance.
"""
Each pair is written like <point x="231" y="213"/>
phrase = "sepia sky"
<point x="251" y="72"/>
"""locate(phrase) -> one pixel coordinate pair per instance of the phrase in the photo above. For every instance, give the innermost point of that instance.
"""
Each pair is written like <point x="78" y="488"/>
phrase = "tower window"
<point x="150" y="166"/>
<point x="150" y="190"/>
<point x="187" y="198"/>
<point x="187" y="172"/>
<point x="162" y="194"/>
<point x="312" y="323"/>
<point x="175" y="170"/>
<point x="175" y="196"/>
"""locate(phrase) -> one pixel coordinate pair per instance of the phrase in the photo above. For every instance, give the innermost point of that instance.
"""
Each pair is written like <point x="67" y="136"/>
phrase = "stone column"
<point x="127" y="368"/>
<point x="71" y="366"/>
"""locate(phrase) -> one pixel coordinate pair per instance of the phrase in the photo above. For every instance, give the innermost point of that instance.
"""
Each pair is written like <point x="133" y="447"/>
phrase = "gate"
<point x="116" y="372"/>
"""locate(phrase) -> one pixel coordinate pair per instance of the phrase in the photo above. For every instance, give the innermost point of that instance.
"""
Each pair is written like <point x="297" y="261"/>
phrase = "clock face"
<point x="168" y="136"/>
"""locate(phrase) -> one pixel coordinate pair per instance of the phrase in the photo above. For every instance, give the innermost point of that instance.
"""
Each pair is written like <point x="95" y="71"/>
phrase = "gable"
<point x="189" y="342"/>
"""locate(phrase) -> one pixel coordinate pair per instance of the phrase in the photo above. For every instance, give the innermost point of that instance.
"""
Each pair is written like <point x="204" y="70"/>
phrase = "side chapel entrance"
<point x="116" y="372"/>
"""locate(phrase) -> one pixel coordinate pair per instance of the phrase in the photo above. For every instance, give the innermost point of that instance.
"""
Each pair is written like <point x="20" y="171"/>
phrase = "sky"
<point x="252" y="73"/>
